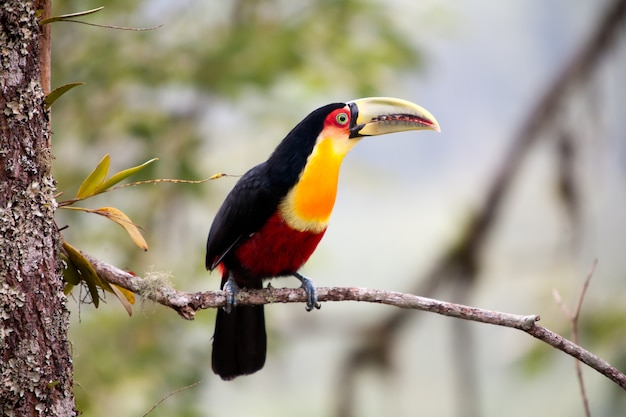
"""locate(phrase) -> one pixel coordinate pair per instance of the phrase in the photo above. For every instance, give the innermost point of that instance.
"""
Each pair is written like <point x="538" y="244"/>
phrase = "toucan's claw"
<point x="311" y="292"/>
<point x="231" y="288"/>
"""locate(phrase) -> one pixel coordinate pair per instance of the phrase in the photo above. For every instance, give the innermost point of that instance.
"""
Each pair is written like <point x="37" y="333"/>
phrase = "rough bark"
<point x="35" y="361"/>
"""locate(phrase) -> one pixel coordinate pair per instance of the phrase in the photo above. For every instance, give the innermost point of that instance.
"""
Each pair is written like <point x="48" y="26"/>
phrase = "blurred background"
<point x="522" y="190"/>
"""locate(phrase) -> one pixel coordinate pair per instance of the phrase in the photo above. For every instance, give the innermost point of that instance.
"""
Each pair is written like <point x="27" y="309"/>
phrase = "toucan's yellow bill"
<point x="374" y="116"/>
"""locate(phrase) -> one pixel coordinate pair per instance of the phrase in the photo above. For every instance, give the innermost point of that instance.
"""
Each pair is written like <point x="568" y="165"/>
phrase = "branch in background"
<point x="187" y="304"/>
<point x="573" y="318"/>
<point x="462" y="260"/>
<point x="169" y="395"/>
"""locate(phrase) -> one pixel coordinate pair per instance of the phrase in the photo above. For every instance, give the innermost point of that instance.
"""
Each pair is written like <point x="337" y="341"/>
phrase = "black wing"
<point x="247" y="207"/>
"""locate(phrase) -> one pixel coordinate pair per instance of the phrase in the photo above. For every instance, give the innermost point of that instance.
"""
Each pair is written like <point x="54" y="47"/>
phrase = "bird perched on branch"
<point x="277" y="213"/>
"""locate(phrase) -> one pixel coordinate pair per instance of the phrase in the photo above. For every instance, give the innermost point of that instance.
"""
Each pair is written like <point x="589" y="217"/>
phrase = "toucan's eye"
<point x="342" y="118"/>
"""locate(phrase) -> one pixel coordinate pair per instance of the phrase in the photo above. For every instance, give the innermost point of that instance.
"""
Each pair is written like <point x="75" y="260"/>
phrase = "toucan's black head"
<point x="290" y="156"/>
<point x="345" y="121"/>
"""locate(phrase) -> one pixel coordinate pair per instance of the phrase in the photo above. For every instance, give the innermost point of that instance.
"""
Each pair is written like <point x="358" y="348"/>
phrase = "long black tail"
<point x="239" y="341"/>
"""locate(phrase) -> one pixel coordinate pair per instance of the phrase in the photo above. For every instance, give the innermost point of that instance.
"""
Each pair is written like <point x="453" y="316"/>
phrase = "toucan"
<point x="276" y="214"/>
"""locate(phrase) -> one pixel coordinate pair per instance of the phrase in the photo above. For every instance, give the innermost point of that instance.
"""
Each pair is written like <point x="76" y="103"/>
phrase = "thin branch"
<point x="583" y="291"/>
<point x="573" y="318"/>
<point x="112" y="26"/>
<point x="169" y="395"/>
<point x="187" y="304"/>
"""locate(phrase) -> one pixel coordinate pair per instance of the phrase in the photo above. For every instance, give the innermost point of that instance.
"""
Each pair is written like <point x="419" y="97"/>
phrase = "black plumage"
<point x="258" y="192"/>
<point x="239" y="341"/>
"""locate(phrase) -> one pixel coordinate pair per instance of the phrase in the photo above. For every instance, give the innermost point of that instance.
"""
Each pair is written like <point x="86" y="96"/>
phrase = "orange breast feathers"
<point x="308" y="205"/>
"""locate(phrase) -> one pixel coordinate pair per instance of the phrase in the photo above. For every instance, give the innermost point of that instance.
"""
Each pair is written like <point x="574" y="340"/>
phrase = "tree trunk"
<point x="37" y="373"/>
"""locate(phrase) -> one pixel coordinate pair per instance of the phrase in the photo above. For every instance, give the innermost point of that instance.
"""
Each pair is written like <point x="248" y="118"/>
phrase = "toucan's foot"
<point x="231" y="288"/>
<point x="311" y="292"/>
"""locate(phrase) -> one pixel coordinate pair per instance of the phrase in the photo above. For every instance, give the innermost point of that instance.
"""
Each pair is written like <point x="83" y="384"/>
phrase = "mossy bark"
<point x="35" y="360"/>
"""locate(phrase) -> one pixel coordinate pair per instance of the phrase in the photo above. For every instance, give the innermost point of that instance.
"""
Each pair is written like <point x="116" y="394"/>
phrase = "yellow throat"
<point x="308" y="205"/>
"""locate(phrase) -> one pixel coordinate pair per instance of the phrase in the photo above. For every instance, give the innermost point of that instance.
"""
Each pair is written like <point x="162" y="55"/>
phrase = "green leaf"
<point x="70" y="273"/>
<point x="84" y="269"/>
<point x="69" y="16"/>
<point x="125" y="298"/>
<point x="122" y="175"/>
<point x="58" y="92"/>
<point x="95" y="179"/>
<point x="90" y="276"/>
<point x="67" y="289"/>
